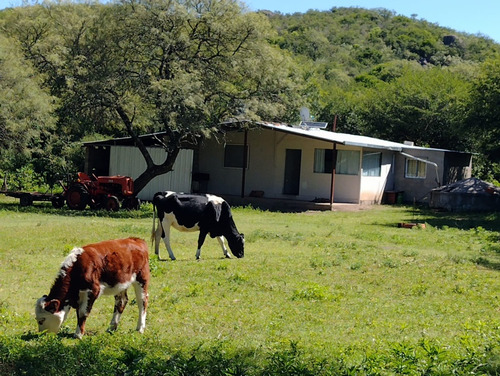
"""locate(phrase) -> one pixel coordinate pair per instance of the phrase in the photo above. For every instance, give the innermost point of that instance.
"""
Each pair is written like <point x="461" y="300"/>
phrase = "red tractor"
<point x="99" y="192"/>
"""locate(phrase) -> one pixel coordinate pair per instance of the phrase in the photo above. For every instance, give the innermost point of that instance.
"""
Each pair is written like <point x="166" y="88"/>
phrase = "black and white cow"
<point x="207" y="214"/>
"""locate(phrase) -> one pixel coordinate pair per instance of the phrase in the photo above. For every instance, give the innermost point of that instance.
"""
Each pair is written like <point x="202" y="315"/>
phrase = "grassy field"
<point x="318" y="293"/>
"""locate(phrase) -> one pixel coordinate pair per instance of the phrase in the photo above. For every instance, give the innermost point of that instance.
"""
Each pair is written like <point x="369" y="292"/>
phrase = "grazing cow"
<point x="108" y="268"/>
<point x="207" y="214"/>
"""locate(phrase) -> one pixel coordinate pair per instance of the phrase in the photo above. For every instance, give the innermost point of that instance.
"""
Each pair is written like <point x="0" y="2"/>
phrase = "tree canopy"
<point x="26" y="120"/>
<point x="149" y="65"/>
<point x="75" y="70"/>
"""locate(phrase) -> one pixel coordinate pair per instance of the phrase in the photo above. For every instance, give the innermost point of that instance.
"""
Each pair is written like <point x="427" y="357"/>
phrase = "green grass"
<point x="317" y="293"/>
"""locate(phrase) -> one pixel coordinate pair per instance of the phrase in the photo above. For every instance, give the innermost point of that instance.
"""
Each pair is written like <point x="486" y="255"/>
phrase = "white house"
<point x="289" y="162"/>
<point x="302" y="163"/>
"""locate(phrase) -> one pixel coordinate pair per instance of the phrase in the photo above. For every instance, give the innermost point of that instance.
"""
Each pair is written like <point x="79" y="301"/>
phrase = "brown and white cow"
<point x="106" y="268"/>
<point x="208" y="214"/>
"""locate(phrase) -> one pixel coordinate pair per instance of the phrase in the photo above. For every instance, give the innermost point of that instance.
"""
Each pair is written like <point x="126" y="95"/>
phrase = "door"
<point x="291" y="182"/>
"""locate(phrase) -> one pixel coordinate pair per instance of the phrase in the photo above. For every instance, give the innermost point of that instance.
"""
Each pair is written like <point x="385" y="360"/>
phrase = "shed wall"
<point x="128" y="161"/>
<point x="417" y="189"/>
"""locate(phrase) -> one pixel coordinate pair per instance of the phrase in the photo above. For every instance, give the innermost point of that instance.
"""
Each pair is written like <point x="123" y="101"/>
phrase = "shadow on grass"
<point x="487" y="263"/>
<point x="33" y="336"/>
<point x="490" y="221"/>
<point x="46" y="208"/>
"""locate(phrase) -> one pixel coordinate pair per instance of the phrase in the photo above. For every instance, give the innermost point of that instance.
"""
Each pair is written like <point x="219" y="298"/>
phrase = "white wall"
<point x="373" y="187"/>
<point x="128" y="161"/>
<point x="267" y="150"/>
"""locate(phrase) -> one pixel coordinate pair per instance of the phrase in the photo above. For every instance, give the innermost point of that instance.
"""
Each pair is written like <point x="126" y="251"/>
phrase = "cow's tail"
<point x="153" y="232"/>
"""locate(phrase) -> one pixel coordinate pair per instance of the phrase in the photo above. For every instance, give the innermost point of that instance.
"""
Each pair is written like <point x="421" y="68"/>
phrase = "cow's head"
<point x="237" y="245"/>
<point x="49" y="314"/>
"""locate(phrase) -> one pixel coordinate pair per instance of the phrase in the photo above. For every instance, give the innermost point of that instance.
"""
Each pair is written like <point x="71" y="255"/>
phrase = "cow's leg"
<point x="121" y="300"/>
<point x="157" y="238"/>
<point x="201" y="240"/>
<point x="223" y="245"/>
<point x="86" y="299"/>
<point x="141" y="296"/>
<point x="166" y="240"/>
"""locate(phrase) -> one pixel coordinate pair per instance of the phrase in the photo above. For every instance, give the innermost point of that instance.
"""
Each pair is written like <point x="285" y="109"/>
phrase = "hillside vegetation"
<point x="81" y="71"/>
<point x="356" y="40"/>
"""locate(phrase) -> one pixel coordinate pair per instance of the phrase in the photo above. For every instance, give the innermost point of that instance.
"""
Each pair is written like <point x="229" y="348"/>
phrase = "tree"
<point x="424" y="105"/>
<point x="182" y="67"/>
<point x="26" y="118"/>
<point x="484" y="119"/>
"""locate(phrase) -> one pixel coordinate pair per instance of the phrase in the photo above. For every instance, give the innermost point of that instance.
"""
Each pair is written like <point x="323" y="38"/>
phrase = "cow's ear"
<point x="53" y="306"/>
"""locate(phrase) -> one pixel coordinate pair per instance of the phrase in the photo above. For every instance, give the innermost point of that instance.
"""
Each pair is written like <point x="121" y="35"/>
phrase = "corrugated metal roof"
<point x="343" y="138"/>
<point x="319" y="134"/>
<point x="149" y="139"/>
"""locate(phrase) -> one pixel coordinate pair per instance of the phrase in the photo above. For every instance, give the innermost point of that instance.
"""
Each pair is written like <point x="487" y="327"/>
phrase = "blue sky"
<point x="470" y="16"/>
<point x="479" y="16"/>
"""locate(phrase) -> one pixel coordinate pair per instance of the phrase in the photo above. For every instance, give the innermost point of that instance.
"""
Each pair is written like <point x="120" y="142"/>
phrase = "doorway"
<point x="291" y="182"/>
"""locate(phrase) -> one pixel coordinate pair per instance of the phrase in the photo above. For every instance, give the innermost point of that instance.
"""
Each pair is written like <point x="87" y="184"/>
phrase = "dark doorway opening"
<point x="291" y="182"/>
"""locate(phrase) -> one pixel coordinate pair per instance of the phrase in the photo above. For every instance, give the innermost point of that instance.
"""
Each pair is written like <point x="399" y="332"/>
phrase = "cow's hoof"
<point x="228" y="256"/>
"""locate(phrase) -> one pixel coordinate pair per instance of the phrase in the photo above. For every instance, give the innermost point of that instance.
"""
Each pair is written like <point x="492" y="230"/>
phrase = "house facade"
<point x="277" y="161"/>
<point x="285" y="162"/>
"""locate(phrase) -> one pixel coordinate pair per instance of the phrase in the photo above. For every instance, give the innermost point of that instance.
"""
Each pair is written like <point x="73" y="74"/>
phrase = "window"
<point x="233" y="156"/>
<point x="372" y="163"/>
<point x="323" y="160"/>
<point x="347" y="161"/>
<point x="415" y="169"/>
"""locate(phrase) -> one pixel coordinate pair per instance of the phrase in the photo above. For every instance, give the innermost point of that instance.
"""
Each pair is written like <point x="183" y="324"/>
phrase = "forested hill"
<point x="356" y="39"/>
<point x="71" y="71"/>
<point x="385" y="75"/>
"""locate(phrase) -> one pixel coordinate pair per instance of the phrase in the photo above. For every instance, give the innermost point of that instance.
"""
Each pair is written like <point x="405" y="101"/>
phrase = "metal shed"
<point x="121" y="157"/>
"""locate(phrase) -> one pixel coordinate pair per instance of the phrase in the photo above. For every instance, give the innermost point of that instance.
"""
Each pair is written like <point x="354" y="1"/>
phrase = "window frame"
<point x="419" y="166"/>
<point x="367" y="171"/>
<point x="326" y="165"/>
<point x="228" y="158"/>
<point x="342" y="168"/>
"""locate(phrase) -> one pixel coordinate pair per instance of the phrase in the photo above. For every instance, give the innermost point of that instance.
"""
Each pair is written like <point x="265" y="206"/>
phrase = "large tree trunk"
<point x="155" y="170"/>
<point x="152" y="169"/>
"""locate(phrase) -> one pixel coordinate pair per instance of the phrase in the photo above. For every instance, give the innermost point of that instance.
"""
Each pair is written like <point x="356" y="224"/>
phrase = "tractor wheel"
<point x="112" y="204"/>
<point x="131" y="203"/>
<point x="57" y="202"/>
<point x="26" y="199"/>
<point x="98" y="202"/>
<point x="77" y="197"/>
